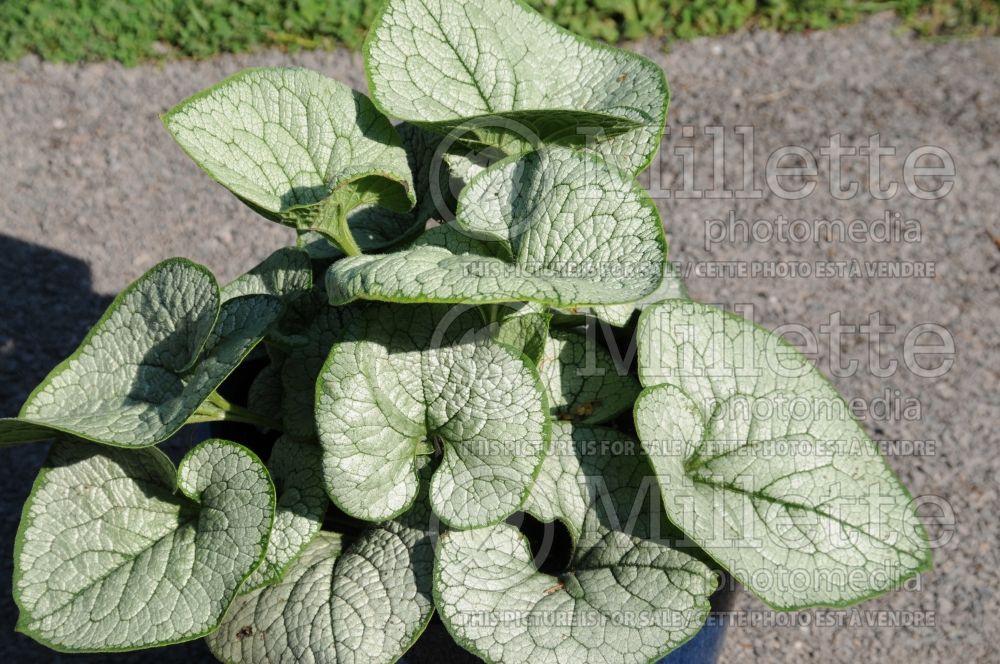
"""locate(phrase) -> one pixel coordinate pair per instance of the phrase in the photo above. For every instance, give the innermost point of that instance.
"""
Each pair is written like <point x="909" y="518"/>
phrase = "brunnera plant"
<point x="430" y="369"/>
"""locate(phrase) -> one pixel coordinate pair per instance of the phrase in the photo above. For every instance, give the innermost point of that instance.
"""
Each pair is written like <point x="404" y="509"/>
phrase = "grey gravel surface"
<point x="93" y="192"/>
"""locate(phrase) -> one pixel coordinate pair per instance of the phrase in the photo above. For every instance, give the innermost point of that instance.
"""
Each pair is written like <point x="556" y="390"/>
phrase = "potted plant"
<point x="479" y="388"/>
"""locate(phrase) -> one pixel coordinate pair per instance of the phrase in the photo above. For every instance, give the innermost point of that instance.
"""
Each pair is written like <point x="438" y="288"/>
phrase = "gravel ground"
<point x="93" y="193"/>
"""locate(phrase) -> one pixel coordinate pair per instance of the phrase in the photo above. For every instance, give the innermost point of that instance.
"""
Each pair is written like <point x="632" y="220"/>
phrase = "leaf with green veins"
<point x="466" y="164"/>
<point x="287" y="274"/>
<point x="376" y="227"/>
<point x="622" y="599"/>
<point x="506" y="77"/>
<point x="578" y="232"/>
<point x="671" y="288"/>
<point x="616" y="315"/>
<point x="595" y="478"/>
<point x="379" y="227"/>
<point x="301" y="368"/>
<point x="526" y="330"/>
<point x="583" y="381"/>
<point x="258" y="628"/>
<point x="298" y="481"/>
<point x="158" y="352"/>
<point x="364" y="602"/>
<point x="298" y="316"/>
<point x="407" y="380"/>
<point x="523" y="327"/>
<point x="738" y="399"/>
<point x="118" y="551"/>
<point x="457" y="242"/>
<point x="299" y="148"/>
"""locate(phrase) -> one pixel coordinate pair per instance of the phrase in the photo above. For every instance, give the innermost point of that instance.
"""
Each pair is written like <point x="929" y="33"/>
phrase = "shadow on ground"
<point x="48" y="306"/>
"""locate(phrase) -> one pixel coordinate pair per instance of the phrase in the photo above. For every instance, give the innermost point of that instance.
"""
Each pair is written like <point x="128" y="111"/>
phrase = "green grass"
<point x="134" y="31"/>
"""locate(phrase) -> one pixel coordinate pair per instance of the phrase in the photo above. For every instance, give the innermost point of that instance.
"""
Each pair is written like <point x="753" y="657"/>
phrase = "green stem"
<point x="346" y="239"/>
<point x="332" y="223"/>
<point x="218" y="409"/>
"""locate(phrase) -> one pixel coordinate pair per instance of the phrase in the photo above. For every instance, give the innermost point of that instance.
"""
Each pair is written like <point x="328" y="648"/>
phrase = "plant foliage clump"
<point x="445" y="349"/>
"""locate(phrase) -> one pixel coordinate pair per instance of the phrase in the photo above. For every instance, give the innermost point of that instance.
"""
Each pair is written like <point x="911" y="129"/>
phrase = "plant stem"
<point x="345" y="238"/>
<point x="218" y="409"/>
<point x="333" y="224"/>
